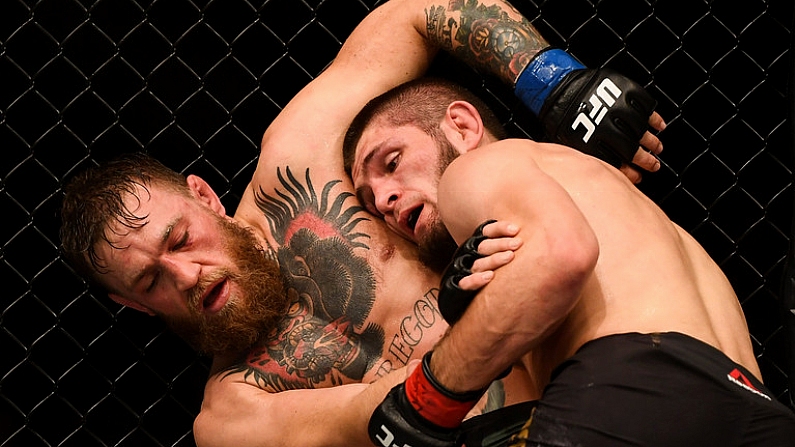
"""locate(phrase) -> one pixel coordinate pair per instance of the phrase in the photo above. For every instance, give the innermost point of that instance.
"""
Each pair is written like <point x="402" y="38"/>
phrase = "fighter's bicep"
<point x="507" y="182"/>
<point x="486" y="184"/>
<point x="559" y="249"/>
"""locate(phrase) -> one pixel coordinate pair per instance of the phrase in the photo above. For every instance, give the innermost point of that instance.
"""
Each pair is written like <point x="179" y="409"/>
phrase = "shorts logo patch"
<point x="739" y="378"/>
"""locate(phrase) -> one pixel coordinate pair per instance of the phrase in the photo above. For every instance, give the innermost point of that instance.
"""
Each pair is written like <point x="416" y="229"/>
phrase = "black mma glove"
<point x="598" y="112"/>
<point x="453" y="300"/>
<point x="421" y="412"/>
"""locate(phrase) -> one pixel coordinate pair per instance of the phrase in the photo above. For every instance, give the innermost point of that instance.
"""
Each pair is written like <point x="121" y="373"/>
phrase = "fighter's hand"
<point x="646" y="156"/>
<point x="497" y="250"/>
<point x="490" y="247"/>
<point x="597" y="111"/>
<point x="421" y="412"/>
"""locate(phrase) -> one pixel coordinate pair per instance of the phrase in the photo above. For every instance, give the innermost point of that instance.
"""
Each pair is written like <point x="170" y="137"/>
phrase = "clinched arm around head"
<point x="597" y="111"/>
<point x="389" y="47"/>
<point x="522" y="305"/>
<point x="530" y="296"/>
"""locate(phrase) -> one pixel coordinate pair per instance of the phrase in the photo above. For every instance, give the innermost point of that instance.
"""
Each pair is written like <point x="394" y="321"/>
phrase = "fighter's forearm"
<point x="489" y="35"/>
<point x="237" y="413"/>
<point x="493" y="37"/>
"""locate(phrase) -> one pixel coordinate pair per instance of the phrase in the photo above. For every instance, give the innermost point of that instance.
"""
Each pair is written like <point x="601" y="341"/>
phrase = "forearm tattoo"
<point x="323" y="339"/>
<point x="486" y="37"/>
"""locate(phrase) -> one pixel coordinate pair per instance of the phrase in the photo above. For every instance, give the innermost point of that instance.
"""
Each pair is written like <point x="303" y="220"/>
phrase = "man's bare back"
<point x="651" y="276"/>
<point x="690" y="294"/>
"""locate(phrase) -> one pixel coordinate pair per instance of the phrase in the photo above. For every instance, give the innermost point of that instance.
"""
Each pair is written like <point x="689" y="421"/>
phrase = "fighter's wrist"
<point x="461" y="396"/>
<point x="542" y="75"/>
<point x="435" y="402"/>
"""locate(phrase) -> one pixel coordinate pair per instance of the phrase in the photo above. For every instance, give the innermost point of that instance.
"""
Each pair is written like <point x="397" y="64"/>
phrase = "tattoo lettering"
<point x="486" y="37"/>
<point x="411" y="330"/>
<point x="324" y="337"/>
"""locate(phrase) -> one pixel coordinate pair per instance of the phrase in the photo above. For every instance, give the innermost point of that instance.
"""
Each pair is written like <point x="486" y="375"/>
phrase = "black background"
<point x="196" y="82"/>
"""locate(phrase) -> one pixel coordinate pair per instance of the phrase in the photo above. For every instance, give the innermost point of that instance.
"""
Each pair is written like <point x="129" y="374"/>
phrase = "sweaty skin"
<point x="688" y="292"/>
<point x="585" y="228"/>
<point x="363" y="305"/>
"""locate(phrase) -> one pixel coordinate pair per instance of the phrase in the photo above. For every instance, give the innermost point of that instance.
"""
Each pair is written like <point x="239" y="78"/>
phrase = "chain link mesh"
<point x="188" y="80"/>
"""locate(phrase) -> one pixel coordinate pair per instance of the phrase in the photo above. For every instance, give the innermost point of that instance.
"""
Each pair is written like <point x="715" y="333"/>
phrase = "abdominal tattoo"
<point x="323" y="340"/>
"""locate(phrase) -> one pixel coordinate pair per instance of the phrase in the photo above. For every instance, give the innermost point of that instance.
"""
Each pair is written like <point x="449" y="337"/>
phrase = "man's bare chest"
<point x="313" y="347"/>
<point x="361" y="305"/>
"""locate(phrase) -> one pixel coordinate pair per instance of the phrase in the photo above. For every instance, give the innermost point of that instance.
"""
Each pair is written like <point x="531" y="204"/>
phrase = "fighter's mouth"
<point x="414" y="216"/>
<point x="215" y="296"/>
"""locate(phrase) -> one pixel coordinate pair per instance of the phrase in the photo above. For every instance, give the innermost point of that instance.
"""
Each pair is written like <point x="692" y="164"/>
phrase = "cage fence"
<point x="196" y="82"/>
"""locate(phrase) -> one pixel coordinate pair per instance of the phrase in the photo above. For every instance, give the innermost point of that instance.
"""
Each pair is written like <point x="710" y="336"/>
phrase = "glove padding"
<point x="395" y="423"/>
<point x="453" y="300"/>
<point x="598" y="112"/>
<point x="421" y="412"/>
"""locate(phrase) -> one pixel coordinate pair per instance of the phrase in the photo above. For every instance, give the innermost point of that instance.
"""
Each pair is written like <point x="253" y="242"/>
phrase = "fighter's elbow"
<point x="213" y="428"/>
<point x="570" y="265"/>
<point x="580" y="257"/>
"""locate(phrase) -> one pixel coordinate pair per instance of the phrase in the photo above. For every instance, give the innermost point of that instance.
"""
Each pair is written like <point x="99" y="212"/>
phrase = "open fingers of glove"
<point x="652" y="143"/>
<point x="483" y="270"/>
<point x="491" y="246"/>
<point x="476" y="281"/>
<point x="632" y="174"/>
<point x="646" y="160"/>
<point x="500" y="229"/>
<point x="657" y="122"/>
<point x="492" y="262"/>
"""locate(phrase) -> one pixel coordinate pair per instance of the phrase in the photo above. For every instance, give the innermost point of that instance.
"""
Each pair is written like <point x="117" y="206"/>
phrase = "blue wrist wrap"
<point x="541" y="75"/>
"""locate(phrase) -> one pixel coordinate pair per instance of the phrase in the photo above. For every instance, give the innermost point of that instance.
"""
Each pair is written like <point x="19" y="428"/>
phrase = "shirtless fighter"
<point x="619" y="357"/>
<point x="349" y="300"/>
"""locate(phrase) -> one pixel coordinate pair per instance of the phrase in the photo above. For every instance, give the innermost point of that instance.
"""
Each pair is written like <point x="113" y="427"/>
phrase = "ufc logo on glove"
<point x="605" y="96"/>
<point x="386" y="441"/>
<point x="557" y="88"/>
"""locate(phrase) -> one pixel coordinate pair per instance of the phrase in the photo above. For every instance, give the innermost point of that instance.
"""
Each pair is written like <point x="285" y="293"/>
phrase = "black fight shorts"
<point x="655" y="390"/>
<point x="493" y="429"/>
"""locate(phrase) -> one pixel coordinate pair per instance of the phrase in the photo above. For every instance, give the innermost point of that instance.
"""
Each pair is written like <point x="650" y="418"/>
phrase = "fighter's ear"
<point x="129" y="303"/>
<point x="463" y="126"/>
<point x="202" y="191"/>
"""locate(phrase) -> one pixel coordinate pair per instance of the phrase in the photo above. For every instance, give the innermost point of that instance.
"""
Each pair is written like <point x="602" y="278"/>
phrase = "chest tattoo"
<point x="323" y="339"/>
<point x="412" y="329"/>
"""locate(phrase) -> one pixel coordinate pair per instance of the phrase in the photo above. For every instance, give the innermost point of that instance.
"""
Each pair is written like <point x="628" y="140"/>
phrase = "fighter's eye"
<point x="153" y="284"/>
<point x="181" y="243"/>
<point x="392" y="162"/>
